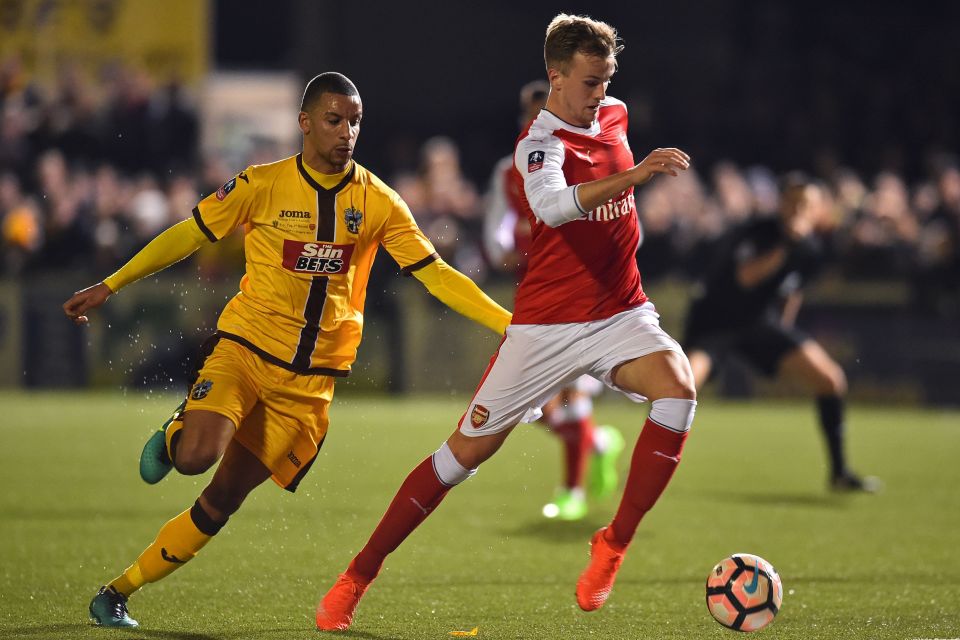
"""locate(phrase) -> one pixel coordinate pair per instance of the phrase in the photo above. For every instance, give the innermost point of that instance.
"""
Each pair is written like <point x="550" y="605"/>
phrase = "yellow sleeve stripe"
<point x="206" y="230"/>
<point x="416" y="266"/>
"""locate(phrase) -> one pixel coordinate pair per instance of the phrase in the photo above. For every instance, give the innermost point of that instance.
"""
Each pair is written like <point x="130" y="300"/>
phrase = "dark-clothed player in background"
<point x="313" y="224"/>
<point x="747" y="307"/>
<point x="579" y="310"/>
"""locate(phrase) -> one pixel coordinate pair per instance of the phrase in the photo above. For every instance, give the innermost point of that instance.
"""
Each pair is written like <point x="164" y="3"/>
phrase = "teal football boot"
<point x="155" y="464"/>
<point x="109" y="609"/>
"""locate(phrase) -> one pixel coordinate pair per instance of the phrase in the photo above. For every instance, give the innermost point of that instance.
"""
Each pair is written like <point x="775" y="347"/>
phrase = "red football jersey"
<point x="585" y="269"/>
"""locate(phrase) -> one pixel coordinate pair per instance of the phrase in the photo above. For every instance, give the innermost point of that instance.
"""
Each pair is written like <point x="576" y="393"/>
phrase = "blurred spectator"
<point x="22" y="232"/>
<point x="91" y="169"/>
<point x="882" y="232"/>
<point x="446" y="206"/>
<point x="68" y="239"/>
<point x="173" y="129"/>
<point x="938" y="249"/>
<point x="16" y="149"/>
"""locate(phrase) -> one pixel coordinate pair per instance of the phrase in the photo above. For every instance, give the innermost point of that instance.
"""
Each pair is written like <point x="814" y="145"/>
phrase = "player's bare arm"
<point x="791" y="308"/>
<point x="84" y="300"/>
<point x="755" y="270"/>
<point x="668" y="161"/>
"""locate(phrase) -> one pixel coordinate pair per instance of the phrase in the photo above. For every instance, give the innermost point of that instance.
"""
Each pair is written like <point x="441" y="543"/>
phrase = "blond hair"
<point x="566" y="35"/>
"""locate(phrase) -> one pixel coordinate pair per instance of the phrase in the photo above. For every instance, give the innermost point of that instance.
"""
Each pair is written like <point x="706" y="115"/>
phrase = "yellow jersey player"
<point x="313" y="223"/>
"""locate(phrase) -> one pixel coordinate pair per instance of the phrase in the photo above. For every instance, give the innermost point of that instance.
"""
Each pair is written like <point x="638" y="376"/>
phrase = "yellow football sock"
<point x="179" y="541"/>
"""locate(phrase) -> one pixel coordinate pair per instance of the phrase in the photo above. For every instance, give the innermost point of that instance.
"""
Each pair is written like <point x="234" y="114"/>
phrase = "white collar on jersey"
<point x="551" y="122"/>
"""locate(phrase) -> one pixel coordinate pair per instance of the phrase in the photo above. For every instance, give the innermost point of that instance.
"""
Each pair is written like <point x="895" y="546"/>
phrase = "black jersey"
<point x="724" y="304"/>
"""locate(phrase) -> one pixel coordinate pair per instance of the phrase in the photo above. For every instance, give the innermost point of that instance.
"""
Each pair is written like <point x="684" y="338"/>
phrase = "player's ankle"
<point x="610" y="538"/>
<point x="364" y="574"/>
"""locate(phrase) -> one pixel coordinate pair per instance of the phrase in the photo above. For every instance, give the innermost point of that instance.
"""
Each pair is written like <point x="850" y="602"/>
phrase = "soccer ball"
<point x="744" y="592"/>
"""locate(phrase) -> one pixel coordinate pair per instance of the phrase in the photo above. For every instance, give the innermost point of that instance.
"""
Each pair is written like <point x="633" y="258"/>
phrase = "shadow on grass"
<point x="554" y="531"/>
<point x="64" y="630"/>
<point x="354" y="634"/>
<point x="558" y="531"/>
<point x="815" y="500"/>
<point x="60" y="513"/>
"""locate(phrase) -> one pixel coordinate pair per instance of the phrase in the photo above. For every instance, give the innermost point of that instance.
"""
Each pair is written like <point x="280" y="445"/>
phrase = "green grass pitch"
<point x="73" y="513"/>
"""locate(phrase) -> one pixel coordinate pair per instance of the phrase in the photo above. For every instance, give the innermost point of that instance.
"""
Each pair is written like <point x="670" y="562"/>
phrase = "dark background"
<point x="786" y="84"/>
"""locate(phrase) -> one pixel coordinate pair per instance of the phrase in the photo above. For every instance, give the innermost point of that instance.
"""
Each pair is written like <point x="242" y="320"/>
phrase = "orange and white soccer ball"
<point x="744" y="592"/>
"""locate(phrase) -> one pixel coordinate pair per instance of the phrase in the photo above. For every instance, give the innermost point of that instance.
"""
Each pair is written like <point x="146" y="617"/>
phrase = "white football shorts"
<point x="535" y="361"/>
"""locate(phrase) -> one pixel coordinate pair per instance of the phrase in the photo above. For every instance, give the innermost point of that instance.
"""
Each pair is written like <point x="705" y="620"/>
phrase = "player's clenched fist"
<point x="669" y="160"/>
<point x="84" y="300"/>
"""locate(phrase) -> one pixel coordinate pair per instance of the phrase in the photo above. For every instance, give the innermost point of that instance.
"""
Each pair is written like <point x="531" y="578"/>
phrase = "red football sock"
<point x="577" y="436"/>
<point x="418" y="496"/>
<point x="655" y="458"/>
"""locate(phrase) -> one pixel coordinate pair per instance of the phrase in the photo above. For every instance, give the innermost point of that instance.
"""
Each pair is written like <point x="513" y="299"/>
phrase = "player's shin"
<point x="418" y="496"/>
<point x="830" y="410"/>
<point x="655" y="458"/>
<point x="178" y="541"/>
<point x="577" y="443"/>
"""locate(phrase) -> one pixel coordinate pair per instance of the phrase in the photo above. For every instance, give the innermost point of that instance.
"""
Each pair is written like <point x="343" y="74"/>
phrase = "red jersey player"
<point x="569" y="414"/>
<point x="579" y="310"/>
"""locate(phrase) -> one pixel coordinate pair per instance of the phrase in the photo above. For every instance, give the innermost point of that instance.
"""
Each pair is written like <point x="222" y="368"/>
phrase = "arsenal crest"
<point x="479" y="415"/>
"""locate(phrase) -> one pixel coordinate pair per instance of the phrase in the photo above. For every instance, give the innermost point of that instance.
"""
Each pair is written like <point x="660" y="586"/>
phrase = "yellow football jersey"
<point x="309" y="251"/>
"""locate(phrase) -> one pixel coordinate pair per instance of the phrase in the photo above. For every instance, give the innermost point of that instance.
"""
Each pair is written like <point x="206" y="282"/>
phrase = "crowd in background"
<point x="89" y="173"/>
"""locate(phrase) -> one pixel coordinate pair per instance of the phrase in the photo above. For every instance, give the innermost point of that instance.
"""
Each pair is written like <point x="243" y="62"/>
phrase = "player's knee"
<point x="194" y="461"/>
<point x="687" y="390"/>
<point x="682" y="388"/>
<point x="838" y="381"/>
<point x="449" y="469"/>
<point x="830" y="380"/>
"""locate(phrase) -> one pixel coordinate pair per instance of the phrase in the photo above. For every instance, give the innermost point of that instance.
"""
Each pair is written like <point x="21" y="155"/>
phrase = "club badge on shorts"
<point x="479" y="415"/>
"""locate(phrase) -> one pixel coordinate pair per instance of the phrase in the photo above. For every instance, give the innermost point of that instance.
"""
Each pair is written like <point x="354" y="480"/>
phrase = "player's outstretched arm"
<point x="461" y="294"/>
<point x="173" y="245"/>
<point x="670" y="161"/>
<point x="791" y="308"/>
<point x="755" y="269"/>
<point x="84" y="300"/>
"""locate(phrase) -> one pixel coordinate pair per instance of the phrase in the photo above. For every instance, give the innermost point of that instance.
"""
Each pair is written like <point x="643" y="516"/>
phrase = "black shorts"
<point x="762" y="345"/>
